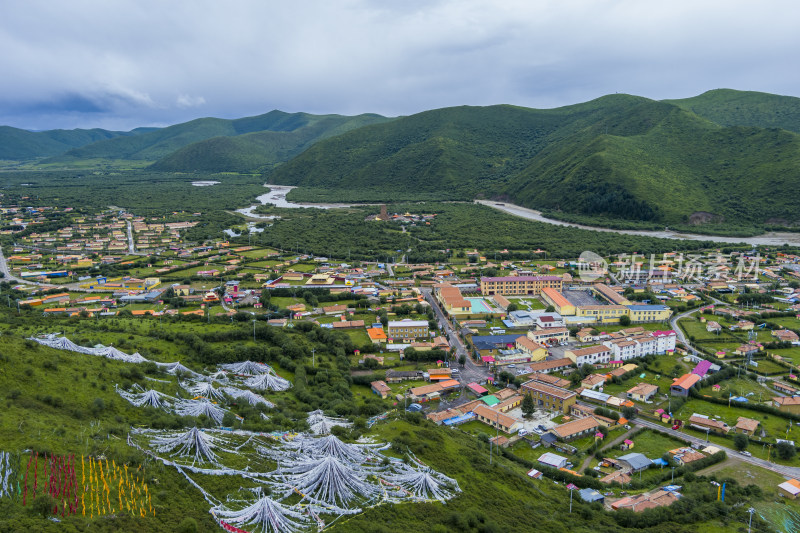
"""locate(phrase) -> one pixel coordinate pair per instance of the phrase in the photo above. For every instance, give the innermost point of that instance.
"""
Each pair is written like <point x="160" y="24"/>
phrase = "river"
<point x="277" y="197"/>
<point x="770" y="239"/>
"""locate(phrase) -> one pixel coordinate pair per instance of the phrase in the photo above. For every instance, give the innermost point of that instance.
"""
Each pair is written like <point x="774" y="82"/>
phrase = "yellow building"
<point x="648" y="313"/>
<point x="603" y="314"/>
<point x="562" y="306"/>
<point x="603" y="291"/>
<point x="550" y="397"/>
<point x="519" y="284"/>
<point x="451" y="299"/>
<point x="536" y="351"/>
<point x="408" y="329"/>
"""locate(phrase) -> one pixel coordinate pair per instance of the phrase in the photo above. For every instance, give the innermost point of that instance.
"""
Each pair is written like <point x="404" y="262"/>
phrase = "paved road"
<point x="4" y="268"/>
<point x="789" y="471"/>
<point x="131" y="249"/>
<point x="674" y="323"/>
<point x="471" y="371"/>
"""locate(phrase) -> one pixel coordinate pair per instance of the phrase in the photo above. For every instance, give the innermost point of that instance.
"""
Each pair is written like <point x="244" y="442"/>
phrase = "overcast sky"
<point x="125" y="63"/>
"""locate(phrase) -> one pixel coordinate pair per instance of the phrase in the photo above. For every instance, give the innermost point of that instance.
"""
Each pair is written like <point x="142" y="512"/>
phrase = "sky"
<point x="129" y="63"/>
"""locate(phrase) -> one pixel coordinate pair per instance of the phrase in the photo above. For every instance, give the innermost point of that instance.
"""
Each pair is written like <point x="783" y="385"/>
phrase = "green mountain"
<point x="617" y="157"/>
<point x="161" y="143"/>
<point x="17" y="144"/>
<point x="728" y="107"/>
<point x="262" y="149"/>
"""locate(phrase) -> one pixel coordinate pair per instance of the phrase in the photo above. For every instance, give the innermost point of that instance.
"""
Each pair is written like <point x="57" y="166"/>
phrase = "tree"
<point x="511" y="308"/>
<point x="741" y="441"/>
<point x="785" y="450"/>
<point x="550" y="309"/>
<point x="624" y="320"/>
<point x="629" y="412"/>
<point x="528" y="406"/>
<point x="506" y="376"/>
<point x="462" y="359"/>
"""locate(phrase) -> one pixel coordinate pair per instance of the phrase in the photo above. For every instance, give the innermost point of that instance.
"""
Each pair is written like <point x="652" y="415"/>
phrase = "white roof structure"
<point x="791" y="488"/>
<point x="594" y="395"/>
<point x="551" y="459"/>
<point x="407" y="323"/>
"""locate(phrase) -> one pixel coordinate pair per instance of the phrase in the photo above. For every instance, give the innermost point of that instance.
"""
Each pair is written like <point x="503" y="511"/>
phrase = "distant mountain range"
<point x="724" y="155"/>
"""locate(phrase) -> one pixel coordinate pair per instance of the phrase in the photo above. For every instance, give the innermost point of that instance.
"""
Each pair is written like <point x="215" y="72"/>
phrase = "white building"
<point x="552" y="460"/>
<point x="656" y="342"/>
<point x="592" y="355"/>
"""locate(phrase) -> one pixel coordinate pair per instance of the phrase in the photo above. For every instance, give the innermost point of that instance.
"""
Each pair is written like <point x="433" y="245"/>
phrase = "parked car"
<point x="746" y="453"/>
<point x="541" y="428"/>
<point x="676" y="426"/>
<point x="522" y="432"/>
<point x="627" y="426"/>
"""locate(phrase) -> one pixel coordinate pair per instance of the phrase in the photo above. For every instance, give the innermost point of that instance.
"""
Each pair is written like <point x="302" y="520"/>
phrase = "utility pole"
<point x="254" y="330"/>
<point x="750" y="523"/>
<point x="673" y="476"/>
<point x="570" y="500"/>
<point x="313" y="363"/>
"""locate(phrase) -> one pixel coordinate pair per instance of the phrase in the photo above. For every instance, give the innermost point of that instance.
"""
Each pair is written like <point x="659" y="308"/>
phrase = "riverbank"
<point x="768" y="239"/>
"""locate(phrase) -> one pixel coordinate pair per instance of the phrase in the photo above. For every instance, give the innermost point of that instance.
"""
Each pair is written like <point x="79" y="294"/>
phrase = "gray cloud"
<point x="144" y="62"/>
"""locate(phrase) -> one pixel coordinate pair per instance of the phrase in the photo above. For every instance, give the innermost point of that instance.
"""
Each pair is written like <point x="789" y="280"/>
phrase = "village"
<point x="609" y="374"/>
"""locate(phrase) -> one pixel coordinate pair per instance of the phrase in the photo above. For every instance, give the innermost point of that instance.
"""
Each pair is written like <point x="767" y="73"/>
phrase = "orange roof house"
<point x="376" y="334"/>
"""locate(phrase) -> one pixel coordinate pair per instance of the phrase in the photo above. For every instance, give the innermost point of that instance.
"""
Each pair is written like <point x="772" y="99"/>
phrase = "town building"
<point x="789" y="489"/>
<point x="704" y="423"/>
<point x="381" y="389"/>
<point x="631" y="347"/>
<point x="648" y="313"/>
<point x="549" y="336"/>
<point x="748" y="426"/>
<point x="643" y="392"/>
<point x="519" y="285"/>
<point x="575" y="429"/>
<point x="534" y="350"/>
<point x="558" y="301"/>
<point x="408" y="329"/>
<point x="681" y="385"/>
<point x="549" y="397"/>
<point x="606" y="293"/>
<point x="451" y="299"/>
<point x="787" y="404"/>
<point x="592" y="355"/>
<point x="552" y="460"/>
<point x="556" y="365"/>
<point x="635" y="462"/>
<point x="496" y="419"/>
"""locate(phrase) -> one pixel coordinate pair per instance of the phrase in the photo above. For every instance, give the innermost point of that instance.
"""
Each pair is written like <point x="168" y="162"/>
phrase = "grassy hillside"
<point x="17" y="144"/>
<point x="157" y="144"/>
<point x="260" y="150"/>
<point x="618" y="157"/>
<point x="65" y="403"/>
<point x="728" y="107"/>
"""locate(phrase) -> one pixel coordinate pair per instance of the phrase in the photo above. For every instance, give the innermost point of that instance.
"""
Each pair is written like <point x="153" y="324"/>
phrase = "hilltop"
<point x="728" y="107"/>
<point x="18" y="144"/>
<point x="619" y="157"/>
<point x="290" y="132"/>
<point x="721" y="159"/>
<point x="261" y="149"/>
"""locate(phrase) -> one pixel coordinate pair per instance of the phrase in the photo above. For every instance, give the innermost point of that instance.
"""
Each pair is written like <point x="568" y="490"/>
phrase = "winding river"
<point x="770" y="239"/>
<point x="277" y="196"/>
